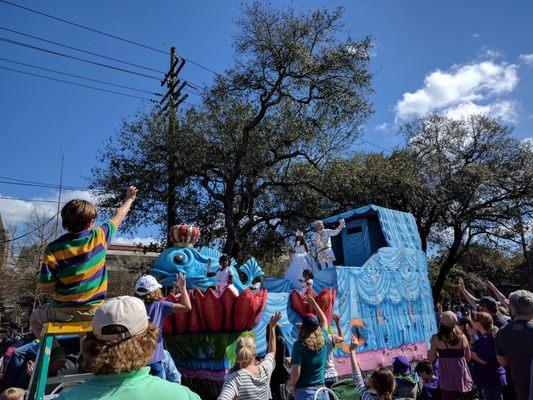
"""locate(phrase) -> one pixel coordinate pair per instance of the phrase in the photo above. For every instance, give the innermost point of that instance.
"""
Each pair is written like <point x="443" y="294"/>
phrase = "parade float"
<point x="379" y="286"/>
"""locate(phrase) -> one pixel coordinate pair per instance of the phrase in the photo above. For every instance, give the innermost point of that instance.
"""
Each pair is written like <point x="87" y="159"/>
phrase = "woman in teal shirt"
<point x="309" y="355"/>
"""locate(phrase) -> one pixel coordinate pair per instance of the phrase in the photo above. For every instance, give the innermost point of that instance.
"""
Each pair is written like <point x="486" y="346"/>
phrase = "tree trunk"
<point x="448" y="263"/>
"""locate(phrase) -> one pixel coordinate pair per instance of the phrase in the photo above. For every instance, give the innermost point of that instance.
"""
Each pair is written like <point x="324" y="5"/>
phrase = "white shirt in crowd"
<point x="246" y="386"/>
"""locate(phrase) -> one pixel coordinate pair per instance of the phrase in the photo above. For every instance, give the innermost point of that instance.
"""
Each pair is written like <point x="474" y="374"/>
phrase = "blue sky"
<point x="455" y="56"/>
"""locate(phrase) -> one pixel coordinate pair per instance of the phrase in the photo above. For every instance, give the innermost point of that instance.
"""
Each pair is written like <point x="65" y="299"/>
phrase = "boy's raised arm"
<point x="117" y="219"/>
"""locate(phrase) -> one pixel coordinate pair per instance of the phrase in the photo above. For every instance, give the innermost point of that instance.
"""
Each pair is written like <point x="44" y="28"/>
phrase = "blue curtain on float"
<point x="356" y="243"/>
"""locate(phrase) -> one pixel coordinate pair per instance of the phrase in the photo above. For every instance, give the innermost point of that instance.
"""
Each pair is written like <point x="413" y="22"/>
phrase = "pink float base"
<point x="370" y="360"/>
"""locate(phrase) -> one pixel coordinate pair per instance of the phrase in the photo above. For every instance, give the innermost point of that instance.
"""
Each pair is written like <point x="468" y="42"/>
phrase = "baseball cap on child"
<point x="146" y="284"/>
<point x="126" y="311"/>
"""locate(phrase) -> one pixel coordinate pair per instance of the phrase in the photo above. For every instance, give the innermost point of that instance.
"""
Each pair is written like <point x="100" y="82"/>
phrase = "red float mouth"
<point x="212" y="313"/>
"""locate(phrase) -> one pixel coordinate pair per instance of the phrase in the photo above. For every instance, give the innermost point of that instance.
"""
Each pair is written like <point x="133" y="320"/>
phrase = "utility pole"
<point x="62" y="156"/>
<point x="173" y="99"/>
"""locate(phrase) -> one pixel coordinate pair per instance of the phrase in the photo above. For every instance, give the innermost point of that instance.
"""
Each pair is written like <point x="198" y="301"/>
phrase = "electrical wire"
<point x="81" y="50"/>
<point x="24" y="182"/>
<point x="57" y="53"/>
<point x="29" y="200"/>
<point x="376" y="145"/>
<point x="77" y="84"/>
<point x="30" y="232"/>
<point x="145" y="46"/>
<point x="79" y="76"/>
<point x="85" y="27"/>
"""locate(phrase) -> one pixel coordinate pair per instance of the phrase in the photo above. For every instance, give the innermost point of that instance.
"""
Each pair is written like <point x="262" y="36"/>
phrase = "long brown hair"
<point x="451" y="336"/>
<point x="383" y="382"/>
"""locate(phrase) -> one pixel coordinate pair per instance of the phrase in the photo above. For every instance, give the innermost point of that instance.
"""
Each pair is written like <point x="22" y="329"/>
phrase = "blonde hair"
<point x="128" y="355"/>
<point x="151" y="297"/>
<point x="245" y="351"/>
<point x="312" y="338"/>
<point x="485" y="319"/>
<point x="13" y="393"/>
<point x="77" y="214"/>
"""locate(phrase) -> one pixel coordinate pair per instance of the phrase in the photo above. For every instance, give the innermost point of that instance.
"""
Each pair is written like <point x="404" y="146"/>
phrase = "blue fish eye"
<point x="179" y="258"/>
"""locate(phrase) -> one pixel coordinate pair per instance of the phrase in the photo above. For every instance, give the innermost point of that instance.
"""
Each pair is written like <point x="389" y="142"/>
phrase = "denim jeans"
<point x="308" y="393"/>
<point x="491" y="392"/>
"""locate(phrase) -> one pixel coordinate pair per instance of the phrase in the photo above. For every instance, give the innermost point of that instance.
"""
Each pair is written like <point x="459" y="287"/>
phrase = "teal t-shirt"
<point x="136" y="385"/>
<point x="312" y="363"/>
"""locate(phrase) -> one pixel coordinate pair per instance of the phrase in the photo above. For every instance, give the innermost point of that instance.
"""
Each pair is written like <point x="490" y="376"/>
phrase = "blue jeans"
<point x="308" y="393"/>
<point x="491" y="392"/>
<point x="156" y="369"/>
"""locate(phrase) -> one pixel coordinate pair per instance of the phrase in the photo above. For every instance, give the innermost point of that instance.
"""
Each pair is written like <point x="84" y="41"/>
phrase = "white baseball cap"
<point x="146" y="284"/>
<point x="126" y="311"/>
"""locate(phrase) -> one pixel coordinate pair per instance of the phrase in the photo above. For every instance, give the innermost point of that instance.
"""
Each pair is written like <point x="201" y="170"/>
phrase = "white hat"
<point x="126" y="311"/>
<point x="146" y="284"/>
<point x="299" y="233"/>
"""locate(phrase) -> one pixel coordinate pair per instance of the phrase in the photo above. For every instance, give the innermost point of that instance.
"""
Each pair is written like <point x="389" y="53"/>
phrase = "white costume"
<point x="300" y="260"/>
<point x="322" y="241"/>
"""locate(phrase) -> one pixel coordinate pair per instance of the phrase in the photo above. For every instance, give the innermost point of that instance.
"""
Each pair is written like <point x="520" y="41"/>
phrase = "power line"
<point x="376" y="145"/>
<point x="30" y="232"/>
<point x="76" y="84"/>
<point x="85" y="27"/>
<point x="29" y="200"/>
<point x="78" y="76"/>
<point x="41" y="185"/>
<point x="80" y="50"/>
<point x="106" y="34"/>
<point x="15" y="42"/>
<point x="53" y="185"/>
<point x="57" y="53"/>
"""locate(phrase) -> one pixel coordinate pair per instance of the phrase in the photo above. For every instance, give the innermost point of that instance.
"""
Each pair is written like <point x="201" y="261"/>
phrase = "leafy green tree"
<point x="296" y="94"/>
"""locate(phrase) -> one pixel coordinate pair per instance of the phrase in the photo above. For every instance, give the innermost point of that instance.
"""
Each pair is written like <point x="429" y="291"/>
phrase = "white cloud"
<point x="526" y="58"/>
<point x="492" y="54"/>
<point x="15" y="212"/>
<point x="475" y="35"/>
<point x="476" y="87"/>
<point x="145" y="241"/>
<point x="383" y="127"/>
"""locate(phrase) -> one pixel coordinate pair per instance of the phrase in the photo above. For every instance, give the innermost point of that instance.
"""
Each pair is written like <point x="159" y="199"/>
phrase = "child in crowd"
<point x="406" y="380"/>
<point x="332" y="340"/>
<point x="307" y="283"/>
<point x="430" y="387"/>
<point x="223" y="276"/>
<point x="149" y="290"/>
<point x="73" y="268"/>
<point x="13" y="394"/>
<point x="381" y="380"/>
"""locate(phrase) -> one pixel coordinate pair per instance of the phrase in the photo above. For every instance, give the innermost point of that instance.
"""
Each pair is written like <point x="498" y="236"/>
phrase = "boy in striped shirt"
<point x="73" y="270"/>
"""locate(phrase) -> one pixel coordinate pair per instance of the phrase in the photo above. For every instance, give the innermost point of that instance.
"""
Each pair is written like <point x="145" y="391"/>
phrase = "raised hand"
<point x="181" y="282"/>
<point x="353" y="343"/>
<point x="461" y="284"/>
<point x="131" y="193"/>
<point x="336" y="319"/>
<point x="274" y="320"/>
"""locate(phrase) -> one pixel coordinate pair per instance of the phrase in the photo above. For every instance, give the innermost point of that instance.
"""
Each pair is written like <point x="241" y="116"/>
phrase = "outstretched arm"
<point x="340" y="335"/>
<point x="469" y="297"/>
<point x="117" y="219"/>
<point x="272" y="332"/>
<point x="318" y="311"/>
<point x="185" y="304"/>
<point x="504" y="301"/>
